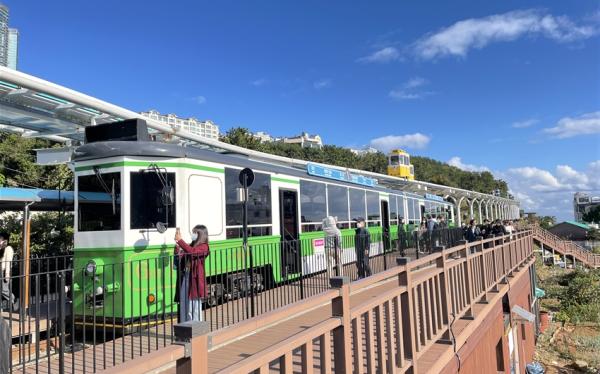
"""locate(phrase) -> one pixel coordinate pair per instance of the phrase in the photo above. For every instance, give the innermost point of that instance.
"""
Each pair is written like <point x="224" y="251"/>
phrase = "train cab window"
<point x="394" y="160"/>
<point x="148" y="205"/>
<point x="99" y="202"/>
<point x="337" y="202"/>
<point x="313" y="208"/>
<point x="373" y="206"/>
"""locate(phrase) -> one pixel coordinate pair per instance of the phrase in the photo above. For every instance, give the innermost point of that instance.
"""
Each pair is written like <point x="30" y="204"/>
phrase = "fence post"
<point x="469" y="276"/>
<point x="408" y="324"/>
<point x="340" y="307"/>
<point x="61" y="321"/>
<point x="193" y="335"/>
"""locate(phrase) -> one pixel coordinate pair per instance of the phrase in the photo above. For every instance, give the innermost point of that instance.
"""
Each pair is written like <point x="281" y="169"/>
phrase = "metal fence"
<point x="91" y="318"/>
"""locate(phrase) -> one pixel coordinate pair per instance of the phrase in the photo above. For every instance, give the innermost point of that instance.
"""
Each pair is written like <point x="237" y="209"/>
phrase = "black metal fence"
<point x="101" y="314"/>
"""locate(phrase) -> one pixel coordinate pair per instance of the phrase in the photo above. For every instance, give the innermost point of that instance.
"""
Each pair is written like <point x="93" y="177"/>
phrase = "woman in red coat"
<point x="193" y="282"/>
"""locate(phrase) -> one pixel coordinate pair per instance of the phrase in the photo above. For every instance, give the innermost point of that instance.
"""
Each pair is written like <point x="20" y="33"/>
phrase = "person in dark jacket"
<point x="402" y="237"/>
<point x="192" y="280"/>
<point x="362" y="244"/>
<point x="472" y="231"/>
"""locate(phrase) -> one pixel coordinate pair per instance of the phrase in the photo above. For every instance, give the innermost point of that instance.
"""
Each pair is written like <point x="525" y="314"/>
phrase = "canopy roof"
<point x="38" y="108"/>
<point x="15" y="199"/>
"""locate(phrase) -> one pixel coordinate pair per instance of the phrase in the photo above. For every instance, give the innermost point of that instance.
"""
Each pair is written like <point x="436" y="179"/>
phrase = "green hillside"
<point x="426" y="169"/>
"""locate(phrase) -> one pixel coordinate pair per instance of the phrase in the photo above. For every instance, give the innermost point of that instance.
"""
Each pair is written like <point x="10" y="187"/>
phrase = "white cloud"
<point x="323" y="83"/>
<point x="387" y="143"/>
<point x="457" y="162"/>
<point x="409" y="90"/>
<point x="568" y="127"/>
<point x="199" y="99"/>
<point x="384" y="55"/>
<point x="551" y="192"/>
<point x="459" y="38"/>
<point x="259" y="82"/>
<point x="526" y="123"/>
<point x="415" y="82"/>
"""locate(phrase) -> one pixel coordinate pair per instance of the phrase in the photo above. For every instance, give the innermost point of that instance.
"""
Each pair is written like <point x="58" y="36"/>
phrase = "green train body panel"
<point x="129" y="276"/>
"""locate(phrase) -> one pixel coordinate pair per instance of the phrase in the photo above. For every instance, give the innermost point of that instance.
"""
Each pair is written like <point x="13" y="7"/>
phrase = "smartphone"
<point x="177" y="230"/>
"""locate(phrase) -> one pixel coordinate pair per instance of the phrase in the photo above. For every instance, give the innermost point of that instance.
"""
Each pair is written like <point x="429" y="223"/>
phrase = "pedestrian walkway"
<point x="565" y="248"/>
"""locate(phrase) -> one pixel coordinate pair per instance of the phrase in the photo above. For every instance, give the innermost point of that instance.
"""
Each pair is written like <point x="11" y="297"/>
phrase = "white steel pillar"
<point x="471" y="209"/>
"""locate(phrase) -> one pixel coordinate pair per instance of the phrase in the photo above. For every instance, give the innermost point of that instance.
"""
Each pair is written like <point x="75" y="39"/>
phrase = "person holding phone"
<point x="192" y="286"/>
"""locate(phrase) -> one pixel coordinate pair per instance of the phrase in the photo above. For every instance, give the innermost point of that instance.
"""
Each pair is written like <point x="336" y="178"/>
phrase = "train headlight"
<point x="90" y="268"/>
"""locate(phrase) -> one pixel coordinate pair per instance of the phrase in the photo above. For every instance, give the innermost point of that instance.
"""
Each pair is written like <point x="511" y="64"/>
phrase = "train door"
<point x="288" y="221"/>
<point x="385" y="224"/>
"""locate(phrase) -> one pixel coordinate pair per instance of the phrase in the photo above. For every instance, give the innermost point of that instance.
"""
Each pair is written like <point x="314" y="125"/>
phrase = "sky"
<point x="512" y="87"/>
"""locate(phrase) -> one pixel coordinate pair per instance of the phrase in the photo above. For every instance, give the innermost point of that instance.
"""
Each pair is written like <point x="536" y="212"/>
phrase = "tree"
<point x="18" y="167"/>
<point x="593" y="215"/>
<point x="426" y="169"/>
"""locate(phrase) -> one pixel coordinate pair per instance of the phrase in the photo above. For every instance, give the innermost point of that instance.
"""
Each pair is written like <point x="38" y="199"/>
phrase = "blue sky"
<point x="511" y="86"/>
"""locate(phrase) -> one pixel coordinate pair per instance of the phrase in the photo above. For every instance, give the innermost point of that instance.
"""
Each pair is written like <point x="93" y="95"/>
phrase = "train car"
<point x="399" y="165"/>
<point x="132" y="195"/>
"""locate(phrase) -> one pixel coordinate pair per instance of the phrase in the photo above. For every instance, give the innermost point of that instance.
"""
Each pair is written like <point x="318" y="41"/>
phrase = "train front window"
<point x="149" y="204"/>
<point x="394" y="160"/>
<point x="99" y="202"/>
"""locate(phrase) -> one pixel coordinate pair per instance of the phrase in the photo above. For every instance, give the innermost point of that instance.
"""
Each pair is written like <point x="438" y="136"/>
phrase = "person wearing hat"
<point x="362" y="244"/>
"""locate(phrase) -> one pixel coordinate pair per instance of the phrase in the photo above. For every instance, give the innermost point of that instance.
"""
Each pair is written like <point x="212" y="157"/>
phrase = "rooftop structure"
<point x="363" y="151"/>
<point x="583" y="203"/>
<point x="305" y="140"/>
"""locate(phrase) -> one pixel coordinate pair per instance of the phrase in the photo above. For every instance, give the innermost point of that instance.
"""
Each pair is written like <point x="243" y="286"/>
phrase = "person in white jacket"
<point x="333" y="247"/>
<point x="6" y="257"/>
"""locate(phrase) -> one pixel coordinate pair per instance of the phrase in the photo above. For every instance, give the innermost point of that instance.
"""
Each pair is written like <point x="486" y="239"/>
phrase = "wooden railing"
<point x="566" y="247"/>
<point x="386" y="322"/>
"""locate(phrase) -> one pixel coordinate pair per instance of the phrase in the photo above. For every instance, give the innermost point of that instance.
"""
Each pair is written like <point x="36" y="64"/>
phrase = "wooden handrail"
<point x="412" y="307"/>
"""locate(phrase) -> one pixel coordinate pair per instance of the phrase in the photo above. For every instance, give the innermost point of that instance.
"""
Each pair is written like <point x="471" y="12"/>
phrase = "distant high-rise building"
<point x="206" y="129"/>
<point x="13" y="48"/>
<point x="3" y="35"/>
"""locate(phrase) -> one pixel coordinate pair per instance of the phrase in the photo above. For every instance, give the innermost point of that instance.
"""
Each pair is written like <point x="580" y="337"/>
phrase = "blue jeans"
<point x="189" y="309"/>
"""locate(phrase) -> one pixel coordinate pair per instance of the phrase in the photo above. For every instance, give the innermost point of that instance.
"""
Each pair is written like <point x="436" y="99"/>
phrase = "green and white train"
<point x="126" y="189"/>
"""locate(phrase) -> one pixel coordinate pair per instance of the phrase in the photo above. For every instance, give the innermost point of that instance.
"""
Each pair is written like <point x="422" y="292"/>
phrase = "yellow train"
<point x="399" y="165"/>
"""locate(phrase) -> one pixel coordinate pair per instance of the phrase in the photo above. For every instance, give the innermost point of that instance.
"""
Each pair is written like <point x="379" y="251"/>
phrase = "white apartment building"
<point x="207" y="129"/>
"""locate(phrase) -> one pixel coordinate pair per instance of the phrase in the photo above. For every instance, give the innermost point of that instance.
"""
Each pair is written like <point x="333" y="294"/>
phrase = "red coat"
<point x="197" y="255"/>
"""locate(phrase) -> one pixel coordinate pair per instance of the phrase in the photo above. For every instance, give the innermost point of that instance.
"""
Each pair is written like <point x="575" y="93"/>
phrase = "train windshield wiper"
<point x="110" y="191"/>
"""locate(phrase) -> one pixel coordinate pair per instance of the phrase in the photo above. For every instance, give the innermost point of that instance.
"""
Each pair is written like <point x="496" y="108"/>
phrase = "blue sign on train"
<point x="340" y="175"/>
<point x="434" y="197"/>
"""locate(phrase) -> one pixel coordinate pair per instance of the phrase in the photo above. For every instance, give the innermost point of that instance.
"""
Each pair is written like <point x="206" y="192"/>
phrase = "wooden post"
<point x="468" y="279"/>
<point x="408" y="324"/>
<point x="340" y="307"/>
<point x="193" y="335"/>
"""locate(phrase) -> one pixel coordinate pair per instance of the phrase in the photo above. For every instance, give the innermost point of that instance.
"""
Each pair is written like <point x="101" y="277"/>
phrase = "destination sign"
<point x="434" y="197"/>
<point x="340" y="175"/>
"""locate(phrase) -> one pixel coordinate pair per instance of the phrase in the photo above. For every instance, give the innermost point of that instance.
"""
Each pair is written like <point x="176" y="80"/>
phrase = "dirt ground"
<point x="569" y="349"/>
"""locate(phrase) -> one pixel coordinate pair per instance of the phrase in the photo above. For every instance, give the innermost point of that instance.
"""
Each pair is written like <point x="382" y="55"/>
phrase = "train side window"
<point x="357" y="204"/>
<point x="401" y="211"/>
<point x="312" y="201"/>
<point x="337" y="201"/>
<point x="259" y="199"/>
<point x="393" y="210"/>
<point x="147" y="205"/>
<point x="98" y="209"/>
<point x="206" y="203"/>
<point x="373" y="213"/>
